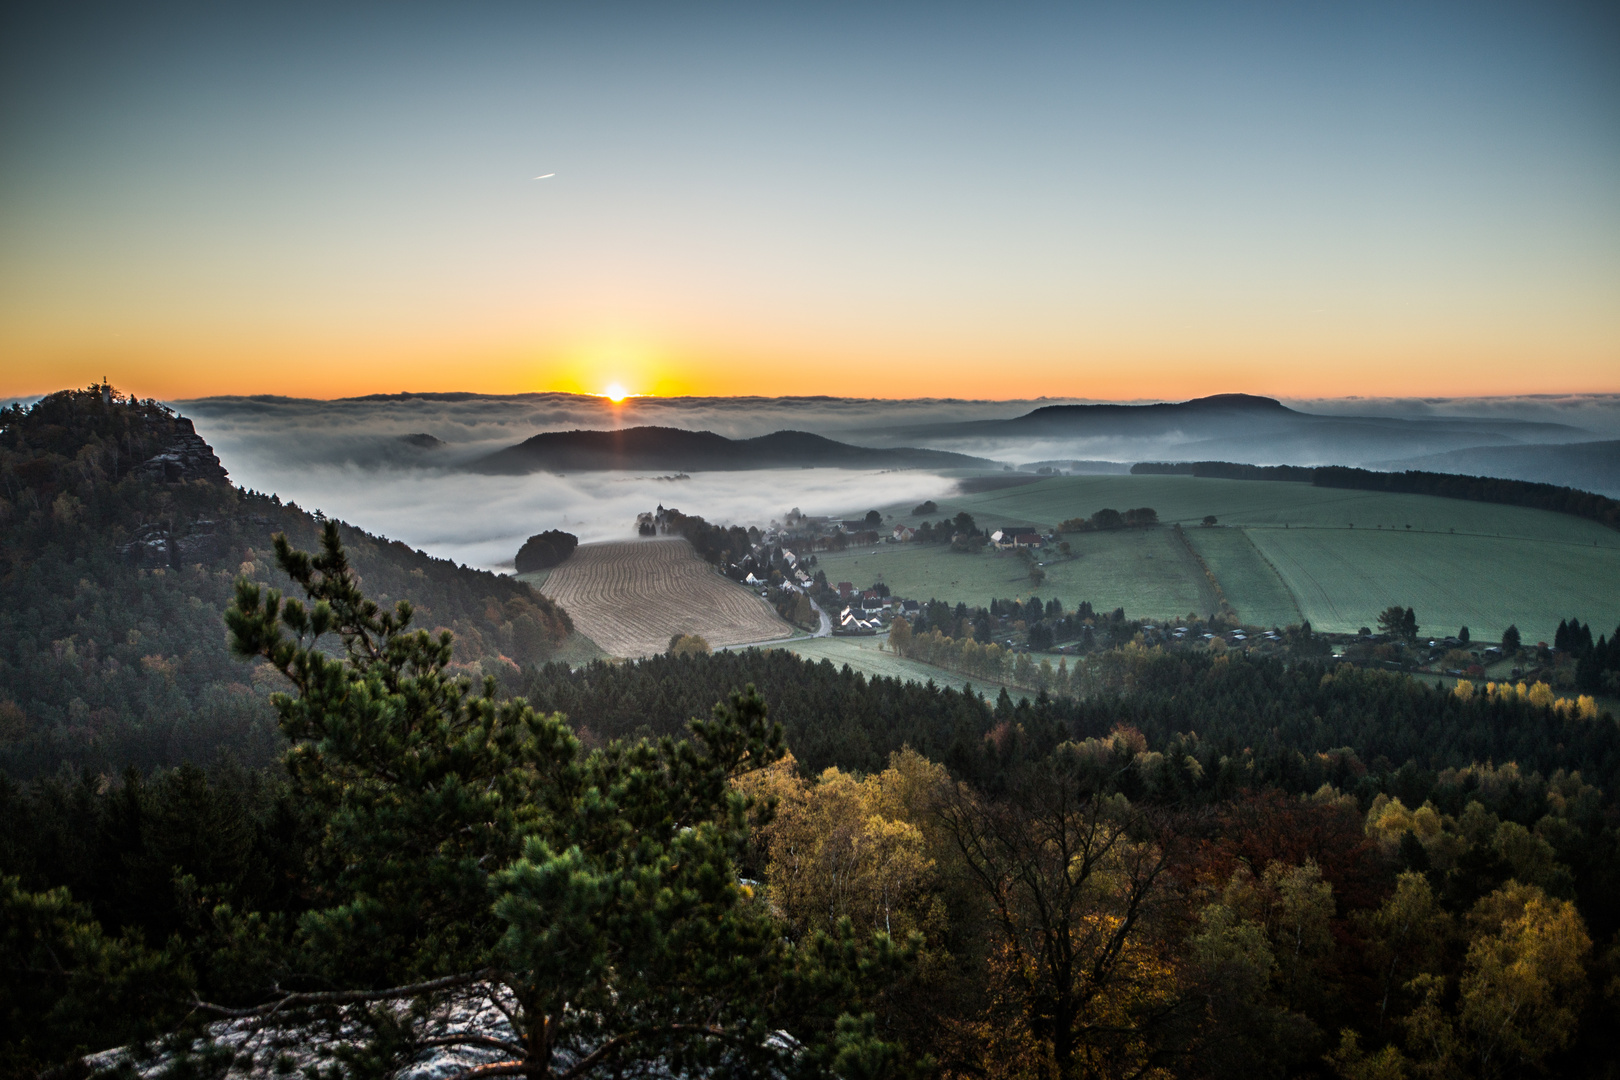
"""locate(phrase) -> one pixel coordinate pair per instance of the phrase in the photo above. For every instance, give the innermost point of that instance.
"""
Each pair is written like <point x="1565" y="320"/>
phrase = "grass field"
<point x="1344" y="577"/>
<point x="1251" y="502"/>
<point x="862" y="654"/>
<point x="630" y="597"/>
<point x="1287" y="547"/>
<point x="1147" y="573"/>
<point x="1251" y="584"/>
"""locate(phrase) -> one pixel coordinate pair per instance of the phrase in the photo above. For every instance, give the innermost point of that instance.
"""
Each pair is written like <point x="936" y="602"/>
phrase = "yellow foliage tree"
<point x="843" y="847"/>
<point x="1525" y="979"/>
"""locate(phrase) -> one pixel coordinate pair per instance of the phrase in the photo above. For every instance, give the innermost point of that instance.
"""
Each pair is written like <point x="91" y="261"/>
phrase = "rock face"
<point x="155" y="545"/>
<point x="149" y="548"/>
<point x="186" y="457"/>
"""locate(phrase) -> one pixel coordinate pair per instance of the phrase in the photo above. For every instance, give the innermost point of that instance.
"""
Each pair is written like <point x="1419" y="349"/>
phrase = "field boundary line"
<point x="1289" y="589"/>
<point x="1220" y="594"/>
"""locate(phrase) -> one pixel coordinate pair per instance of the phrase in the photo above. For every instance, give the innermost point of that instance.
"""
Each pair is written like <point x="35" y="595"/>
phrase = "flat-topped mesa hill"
<point x="665" y="448"/>
<point x="1245" y="427"/>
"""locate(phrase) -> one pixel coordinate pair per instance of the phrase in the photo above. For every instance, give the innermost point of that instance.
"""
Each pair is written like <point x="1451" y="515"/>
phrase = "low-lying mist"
<point x="350" y="458"/>
<point x="483" y="520"/>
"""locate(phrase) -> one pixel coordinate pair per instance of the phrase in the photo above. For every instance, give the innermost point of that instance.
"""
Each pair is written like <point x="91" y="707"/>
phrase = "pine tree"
<point x="469" y="843"/>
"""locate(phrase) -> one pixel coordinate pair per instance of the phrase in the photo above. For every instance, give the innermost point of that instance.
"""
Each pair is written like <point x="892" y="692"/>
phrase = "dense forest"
<point x="1562" y="500"/>
<point x="1197" y="863"/>
<point x="1208" y="865"/>
<point x="120" y="538"/>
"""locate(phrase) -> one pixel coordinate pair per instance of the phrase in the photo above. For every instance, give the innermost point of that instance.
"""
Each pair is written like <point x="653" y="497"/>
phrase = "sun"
<point x="615" y="393"/>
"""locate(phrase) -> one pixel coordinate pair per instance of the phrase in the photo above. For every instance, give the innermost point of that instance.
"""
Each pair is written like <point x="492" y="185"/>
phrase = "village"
<point x="772" y="566"/>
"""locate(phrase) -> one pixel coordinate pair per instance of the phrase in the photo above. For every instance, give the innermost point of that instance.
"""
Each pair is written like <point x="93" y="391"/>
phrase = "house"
<point x="904" y="533"/>
<point x="849" y="622"/>
<point x="1015" y="536"/>
<point x="845" y="589"/>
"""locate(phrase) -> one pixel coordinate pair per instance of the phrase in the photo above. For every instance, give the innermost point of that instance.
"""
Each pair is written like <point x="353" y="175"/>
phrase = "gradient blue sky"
<point x="1108" y="200"/>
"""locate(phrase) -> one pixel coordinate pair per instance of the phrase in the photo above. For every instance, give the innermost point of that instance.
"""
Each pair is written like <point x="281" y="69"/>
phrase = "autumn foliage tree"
<point x="1077" y="885"/>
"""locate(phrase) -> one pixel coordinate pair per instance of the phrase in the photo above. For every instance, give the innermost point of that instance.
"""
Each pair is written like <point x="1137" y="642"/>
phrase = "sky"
<point x="1097" y="201"/>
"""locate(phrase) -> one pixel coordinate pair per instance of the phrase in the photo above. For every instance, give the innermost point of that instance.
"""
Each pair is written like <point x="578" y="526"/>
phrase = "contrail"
<point x="546" y="177"/>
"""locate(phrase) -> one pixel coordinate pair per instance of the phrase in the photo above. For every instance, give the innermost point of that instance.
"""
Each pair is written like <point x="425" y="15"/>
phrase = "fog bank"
<point x="483" y="520"/>
<point x="349" y="459"/>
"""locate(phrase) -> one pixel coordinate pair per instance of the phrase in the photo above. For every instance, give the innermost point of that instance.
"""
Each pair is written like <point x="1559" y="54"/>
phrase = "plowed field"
<point x="631" y="596"/>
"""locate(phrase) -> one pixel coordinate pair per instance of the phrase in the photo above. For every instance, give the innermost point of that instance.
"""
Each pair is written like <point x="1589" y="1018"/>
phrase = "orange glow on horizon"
<point x="890" y="369"/>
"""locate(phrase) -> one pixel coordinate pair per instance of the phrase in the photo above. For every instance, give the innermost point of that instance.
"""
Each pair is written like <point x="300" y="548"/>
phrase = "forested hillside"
<point x="1208" y="867"/>
<point x="120" y="537"/>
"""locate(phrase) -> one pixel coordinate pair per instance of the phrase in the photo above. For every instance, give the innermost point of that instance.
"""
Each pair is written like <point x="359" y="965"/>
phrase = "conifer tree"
<point x="468" y="843"/>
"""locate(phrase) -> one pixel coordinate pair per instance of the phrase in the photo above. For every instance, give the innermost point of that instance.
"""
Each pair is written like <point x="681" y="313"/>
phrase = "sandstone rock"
<point x="186" y="457"/>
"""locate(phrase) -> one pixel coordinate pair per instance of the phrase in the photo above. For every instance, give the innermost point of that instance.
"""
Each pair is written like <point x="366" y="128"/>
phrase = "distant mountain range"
<point x="663" y="448"/>
<point x="1232" y="427"/>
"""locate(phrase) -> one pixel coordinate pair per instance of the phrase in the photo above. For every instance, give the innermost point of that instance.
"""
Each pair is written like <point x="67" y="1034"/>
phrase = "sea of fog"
<point x="483" y="520"/>
<point x="349" y="459"/>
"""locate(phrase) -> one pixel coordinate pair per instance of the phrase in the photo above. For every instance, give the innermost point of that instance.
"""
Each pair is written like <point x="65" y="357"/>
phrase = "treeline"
<point x="961" y="532"/>
<point x="1597" y="663"/>
<point x="1210" y="867"/>
<point x="724" y="546"/>
<point x="1106" y="520"/>
<point x="1562" y="500"/>
<point x="1225" y="470"/>
<point x="829" y="715"/>
<point x="1258" y="722"/>
<point x="1048" y="620"/>
<point x="112" y="580"/>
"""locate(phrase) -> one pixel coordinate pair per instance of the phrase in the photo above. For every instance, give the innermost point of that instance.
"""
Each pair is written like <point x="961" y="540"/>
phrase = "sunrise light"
<point x="615" y="393"/>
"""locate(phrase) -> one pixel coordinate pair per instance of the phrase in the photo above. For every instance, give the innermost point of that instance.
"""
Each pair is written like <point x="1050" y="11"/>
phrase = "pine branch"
<point x="345" y="997"/>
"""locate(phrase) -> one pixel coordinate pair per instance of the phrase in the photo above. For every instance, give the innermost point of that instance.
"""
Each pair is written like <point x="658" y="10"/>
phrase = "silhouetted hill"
<point x="673" y="448"/>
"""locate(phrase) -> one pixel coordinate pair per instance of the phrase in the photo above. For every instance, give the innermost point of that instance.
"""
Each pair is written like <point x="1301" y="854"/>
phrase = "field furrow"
<point x="632" y="596"/>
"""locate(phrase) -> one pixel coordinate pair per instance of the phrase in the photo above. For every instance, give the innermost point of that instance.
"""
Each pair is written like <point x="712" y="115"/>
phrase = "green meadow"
<point x="1283" y="551"/>
<point x="1250" y="581"/>
<point x="1145" y="572"/>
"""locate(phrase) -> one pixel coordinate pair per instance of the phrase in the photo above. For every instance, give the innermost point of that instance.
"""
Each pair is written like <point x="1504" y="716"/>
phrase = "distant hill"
<point x="1591" y="466"/>
<point x="120" y="539"/>
<point x="1238" y="426"/>
<point x="664" y="448"/>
